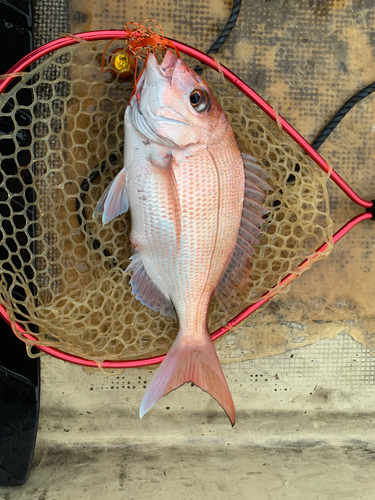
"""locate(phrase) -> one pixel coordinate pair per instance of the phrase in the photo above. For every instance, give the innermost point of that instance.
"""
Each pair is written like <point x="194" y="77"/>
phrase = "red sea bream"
<point x="196" y="207"/>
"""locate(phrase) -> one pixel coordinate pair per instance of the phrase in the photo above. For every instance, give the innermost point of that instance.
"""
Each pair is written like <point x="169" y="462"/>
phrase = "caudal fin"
<point x="184" y="363"/>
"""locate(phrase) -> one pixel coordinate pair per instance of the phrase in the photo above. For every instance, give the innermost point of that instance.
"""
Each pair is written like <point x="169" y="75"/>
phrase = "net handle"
<point x="26" y="61"/>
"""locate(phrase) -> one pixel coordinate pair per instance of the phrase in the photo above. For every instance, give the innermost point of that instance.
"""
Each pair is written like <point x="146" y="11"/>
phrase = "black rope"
<point x="219" y="42"/>
<point x="236" y="7"/>
<point x="343" y="111"/>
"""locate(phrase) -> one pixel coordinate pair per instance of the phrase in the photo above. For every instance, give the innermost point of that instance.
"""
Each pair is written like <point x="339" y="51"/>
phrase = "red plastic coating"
<point x="109" y="34"/>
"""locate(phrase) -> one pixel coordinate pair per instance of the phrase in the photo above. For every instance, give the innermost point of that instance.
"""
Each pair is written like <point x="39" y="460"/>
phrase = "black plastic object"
<point x="371" y="210"/>
<point x="19" y="374"/>
<point x="19" y="409"/>
<point x="15" y="31"/>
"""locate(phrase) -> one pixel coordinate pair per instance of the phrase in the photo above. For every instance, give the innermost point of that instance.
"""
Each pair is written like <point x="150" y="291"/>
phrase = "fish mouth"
<point x="153" y="71"/>
<point x="164" y="70"/>
<point x="149" y="112"/>
<point x="168" y="64"/>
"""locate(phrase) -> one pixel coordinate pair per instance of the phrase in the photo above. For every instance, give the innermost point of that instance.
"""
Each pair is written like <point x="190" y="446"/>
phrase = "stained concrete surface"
<point x="297" y="435"/>
<point x="191" y="473"/>
<point x="305" y="413"/>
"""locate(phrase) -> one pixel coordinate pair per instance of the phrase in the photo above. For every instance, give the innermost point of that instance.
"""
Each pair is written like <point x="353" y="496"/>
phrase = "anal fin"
<point x="146" y="291"/>
<point x="165" y="169"/>
<point x="114" y="201"/>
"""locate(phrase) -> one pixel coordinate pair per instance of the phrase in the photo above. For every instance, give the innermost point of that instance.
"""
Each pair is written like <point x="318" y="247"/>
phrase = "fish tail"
<point x="186" y="363"/>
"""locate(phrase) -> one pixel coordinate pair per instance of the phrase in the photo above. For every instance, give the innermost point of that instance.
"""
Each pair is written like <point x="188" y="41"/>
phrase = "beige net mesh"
<point x="63" y="273"/>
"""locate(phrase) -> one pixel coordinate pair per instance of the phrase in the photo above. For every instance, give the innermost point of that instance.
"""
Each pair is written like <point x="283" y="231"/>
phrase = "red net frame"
<point x="111" y="34"/>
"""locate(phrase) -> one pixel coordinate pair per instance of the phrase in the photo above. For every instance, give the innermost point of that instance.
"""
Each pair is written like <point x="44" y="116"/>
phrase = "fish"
<point x="196" y="205"/>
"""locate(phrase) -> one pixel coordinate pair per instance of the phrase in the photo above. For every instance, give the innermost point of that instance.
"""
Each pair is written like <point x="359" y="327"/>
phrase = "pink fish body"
<point x="184" y="181"/>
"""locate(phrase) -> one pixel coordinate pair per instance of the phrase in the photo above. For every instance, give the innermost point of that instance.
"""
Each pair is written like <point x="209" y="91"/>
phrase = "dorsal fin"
<point x="254" y="194"/>
<point x="164" y="167"/>
<point x="145" y="289"/>
<point x="250" y="165"/>
<point x="236" y="280"/>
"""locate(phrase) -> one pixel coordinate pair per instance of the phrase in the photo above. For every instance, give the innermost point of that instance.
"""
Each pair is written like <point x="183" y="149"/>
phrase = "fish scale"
<point x="184" y="181"/>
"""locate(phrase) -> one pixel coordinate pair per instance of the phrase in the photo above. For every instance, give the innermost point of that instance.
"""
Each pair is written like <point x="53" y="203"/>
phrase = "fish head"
<point x="175" y="107"/>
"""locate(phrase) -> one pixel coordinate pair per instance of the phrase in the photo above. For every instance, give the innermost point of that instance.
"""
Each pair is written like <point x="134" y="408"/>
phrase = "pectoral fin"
<point x="114" y="201"/>
<point x="146" y="291"/>
<point x="164" y="167"/>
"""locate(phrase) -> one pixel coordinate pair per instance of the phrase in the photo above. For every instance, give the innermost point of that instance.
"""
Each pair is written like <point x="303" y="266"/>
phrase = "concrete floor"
<point x="186" y="472"/>
<point x="295" y="437"/>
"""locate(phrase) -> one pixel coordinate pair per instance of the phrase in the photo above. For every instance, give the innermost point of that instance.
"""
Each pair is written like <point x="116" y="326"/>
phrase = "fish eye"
<point x="200" y="100"/>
